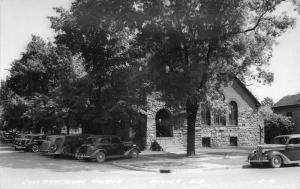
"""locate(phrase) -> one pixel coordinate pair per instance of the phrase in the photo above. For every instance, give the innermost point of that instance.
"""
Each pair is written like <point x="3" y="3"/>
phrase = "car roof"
<point x="34" y="134"/>
<point x="290" y="136"/>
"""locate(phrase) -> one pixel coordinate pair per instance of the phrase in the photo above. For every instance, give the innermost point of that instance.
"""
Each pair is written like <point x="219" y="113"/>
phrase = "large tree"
<point x="185" y="48"/>
<point x="192" y="45"/>
<point x="94" y="31"/>
<point x="41" y="70"/>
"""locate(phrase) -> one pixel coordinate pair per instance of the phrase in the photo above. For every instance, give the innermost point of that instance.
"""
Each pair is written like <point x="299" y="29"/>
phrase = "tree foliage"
<point x="181" y="48"/>
<point x="41" y="70"/>
<point x="100" y="38"/>
<point x="190" y="45"/>
<point x="275" y="124"/>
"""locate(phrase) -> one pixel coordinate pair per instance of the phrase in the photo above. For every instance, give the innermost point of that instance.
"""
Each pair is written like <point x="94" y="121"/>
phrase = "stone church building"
<point x="240" y="126"/>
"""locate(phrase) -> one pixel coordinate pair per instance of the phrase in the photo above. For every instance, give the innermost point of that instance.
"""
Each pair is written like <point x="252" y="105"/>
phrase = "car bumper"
<point x="83" y="156"/>
<point x="20" y="147"/>
<point x="253" y="158"/>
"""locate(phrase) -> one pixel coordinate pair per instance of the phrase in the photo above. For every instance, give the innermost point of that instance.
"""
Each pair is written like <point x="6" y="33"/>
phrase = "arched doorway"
<point x="164" y="127"/>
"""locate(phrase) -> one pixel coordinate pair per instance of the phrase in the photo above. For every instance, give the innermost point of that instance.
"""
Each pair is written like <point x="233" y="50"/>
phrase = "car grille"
<point x="259" y="152"/>
<point x="82" y="150"/>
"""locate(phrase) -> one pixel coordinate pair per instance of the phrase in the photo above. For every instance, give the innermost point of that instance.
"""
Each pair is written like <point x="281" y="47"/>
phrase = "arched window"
<point x="163" y="123"/>
<point x="219" y="118"/>
<point x="233" y="114"/>
<point x="205" y="115"/>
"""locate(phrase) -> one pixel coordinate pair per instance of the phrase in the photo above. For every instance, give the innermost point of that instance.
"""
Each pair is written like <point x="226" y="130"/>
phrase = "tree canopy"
<point x="109" y="54"/>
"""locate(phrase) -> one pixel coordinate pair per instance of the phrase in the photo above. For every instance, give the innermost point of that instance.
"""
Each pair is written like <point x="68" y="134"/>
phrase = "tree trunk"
<point x="191" y="110"/>
<point x="68" y="129"/>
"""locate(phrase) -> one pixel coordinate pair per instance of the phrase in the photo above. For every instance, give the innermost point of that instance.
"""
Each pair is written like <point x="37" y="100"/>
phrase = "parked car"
<point x="105" y="146"/>
<point x="18" y="137"/>
<point x="1" y="135"/>
<point x="29" y="142"/>
<point x="8" y="138"/>
<point x="284" y="149"/>
<point x="45" y="145"/>
<point x="66" y="145"/>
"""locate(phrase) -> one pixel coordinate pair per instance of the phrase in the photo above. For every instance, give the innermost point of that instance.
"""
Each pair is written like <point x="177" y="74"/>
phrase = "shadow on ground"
<point x="9" y="158"/>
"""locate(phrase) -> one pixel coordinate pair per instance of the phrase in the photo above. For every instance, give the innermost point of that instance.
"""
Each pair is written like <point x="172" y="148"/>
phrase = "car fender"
<point x="97" y="151"/>
<point x="285" y="159"/>
<point x="127" y="152"/>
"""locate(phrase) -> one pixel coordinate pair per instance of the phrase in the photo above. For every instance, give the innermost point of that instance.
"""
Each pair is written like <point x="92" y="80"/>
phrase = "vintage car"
<point x="45" y="145"/>
<point x="103" y="147"/>
<point x="29" y="142"/>
<point x="8" y="138"/>
<point x="66" y="145"/>
<point x="2" y="135"/>
<point x="284" y="149"/>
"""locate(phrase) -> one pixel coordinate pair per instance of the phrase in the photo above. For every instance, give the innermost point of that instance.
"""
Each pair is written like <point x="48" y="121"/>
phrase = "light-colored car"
<point x="45" y="145"/>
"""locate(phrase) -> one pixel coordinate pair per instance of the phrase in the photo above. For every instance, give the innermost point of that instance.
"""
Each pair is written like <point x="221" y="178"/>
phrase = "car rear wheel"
<point x="34" y="148"/>
<point x="134" y="153"/>
<point x="100" y="157"/>
<point x="276" y="161"/>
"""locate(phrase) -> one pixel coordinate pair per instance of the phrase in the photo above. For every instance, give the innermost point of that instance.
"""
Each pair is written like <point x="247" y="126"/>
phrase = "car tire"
<point x="134" y="154"/>
<point x="276" y="161"/>
<point x="100" y="157"/>
<point x="35" y="148"/>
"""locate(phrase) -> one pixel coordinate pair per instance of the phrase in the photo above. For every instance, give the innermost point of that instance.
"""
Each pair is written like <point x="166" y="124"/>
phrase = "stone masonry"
<point x="248" y="132"/>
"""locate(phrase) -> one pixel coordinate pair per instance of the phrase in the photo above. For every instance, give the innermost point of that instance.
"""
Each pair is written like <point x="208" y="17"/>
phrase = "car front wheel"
<point x="34" y="148"/>
<point x="134" y="153"/>
<point x="100" y="157"/>
<point x="276" y="161"/>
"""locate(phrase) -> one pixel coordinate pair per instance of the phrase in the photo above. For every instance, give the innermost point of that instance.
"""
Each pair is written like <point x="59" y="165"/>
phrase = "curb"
<point x="135" y="168"/>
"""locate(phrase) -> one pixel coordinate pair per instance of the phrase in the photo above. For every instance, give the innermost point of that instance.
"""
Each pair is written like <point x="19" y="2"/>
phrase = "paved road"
<point x="20" y="170"/>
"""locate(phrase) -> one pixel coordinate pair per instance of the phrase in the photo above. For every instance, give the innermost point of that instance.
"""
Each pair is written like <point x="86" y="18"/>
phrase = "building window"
<point x="206" y="142"/>
<point x="233" y="114"/>
<point x="233" y="141"/>
<point x="289" y="114"/>
<point x="219" y="118"/>
<point x="164" y="126"/>
<point x="205" y="115"/>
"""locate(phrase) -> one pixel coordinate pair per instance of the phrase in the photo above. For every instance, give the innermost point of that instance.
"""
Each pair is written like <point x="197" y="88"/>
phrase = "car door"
<point x="293" y="149"/>
<point x="116" y="147"/>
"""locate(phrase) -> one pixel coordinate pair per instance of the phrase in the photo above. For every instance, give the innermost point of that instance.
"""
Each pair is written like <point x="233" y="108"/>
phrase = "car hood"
<point x="272" y="146"/>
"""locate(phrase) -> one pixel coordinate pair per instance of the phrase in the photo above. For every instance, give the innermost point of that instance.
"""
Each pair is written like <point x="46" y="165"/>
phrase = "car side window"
<point x="294" y="141"/>
<point x="115" y="140"/>
<point x="105" y="141"/>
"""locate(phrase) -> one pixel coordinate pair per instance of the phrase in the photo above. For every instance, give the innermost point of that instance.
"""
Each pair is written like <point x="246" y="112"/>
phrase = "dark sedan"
<point x="284" y="149"/>
<point x="105" y="146"/>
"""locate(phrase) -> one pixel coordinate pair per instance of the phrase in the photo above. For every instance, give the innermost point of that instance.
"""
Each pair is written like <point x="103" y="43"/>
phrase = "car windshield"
<point x="279" y="140"/>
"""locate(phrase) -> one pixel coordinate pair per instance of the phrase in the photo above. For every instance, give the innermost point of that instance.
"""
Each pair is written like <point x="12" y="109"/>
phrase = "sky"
<point x="21" y="18"/>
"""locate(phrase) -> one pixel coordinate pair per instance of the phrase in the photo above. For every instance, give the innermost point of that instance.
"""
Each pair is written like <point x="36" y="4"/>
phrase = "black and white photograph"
<point x="149" y="94"/>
